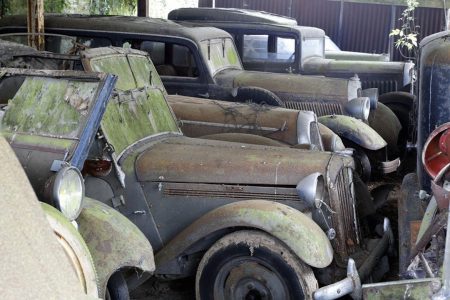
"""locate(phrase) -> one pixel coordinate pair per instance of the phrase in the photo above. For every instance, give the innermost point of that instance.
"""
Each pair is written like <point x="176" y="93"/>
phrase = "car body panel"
<point x="208" y="161"/>
<point x="297" y="231"/>
<point x="113" y="241"/>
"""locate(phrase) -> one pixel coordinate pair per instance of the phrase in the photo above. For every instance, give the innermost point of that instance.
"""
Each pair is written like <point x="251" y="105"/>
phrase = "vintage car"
<point x="31" y="244"/>
<point x="226" y="197"/>
<point x="240" y="16"/>
<point x="277" y="44"/>
<point x="203" y="62"/>
<point x="230" y="121"/>
<point x="50" y="119"/>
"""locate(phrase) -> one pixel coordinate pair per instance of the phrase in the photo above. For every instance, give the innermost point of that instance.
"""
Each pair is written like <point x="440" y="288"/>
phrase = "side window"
<point x="169" y="59"/>
<point x="94" y="42"/>
<point x="255" y="47"/>
<point x="268" y="48"/>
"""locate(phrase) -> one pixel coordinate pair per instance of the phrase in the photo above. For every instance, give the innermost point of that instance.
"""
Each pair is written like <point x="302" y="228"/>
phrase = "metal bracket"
<point x="118" y="201"/>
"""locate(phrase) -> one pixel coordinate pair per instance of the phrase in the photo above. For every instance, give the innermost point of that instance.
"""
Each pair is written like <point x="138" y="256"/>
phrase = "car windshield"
<point x="220" y="54"/>
<point x="45" y="106"/>
<point x="330" y="45"/>
<point x="139" y="108"/>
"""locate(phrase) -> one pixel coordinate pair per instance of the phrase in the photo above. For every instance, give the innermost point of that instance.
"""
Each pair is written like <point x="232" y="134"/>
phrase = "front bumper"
<point x="351" y="285"/>
<point x="387" y="167"/>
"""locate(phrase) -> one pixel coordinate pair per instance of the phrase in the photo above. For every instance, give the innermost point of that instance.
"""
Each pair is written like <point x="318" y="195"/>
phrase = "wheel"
<point x="257" y="95"/>
<point x="252" y="265"/>
<point x="117" y="288"/>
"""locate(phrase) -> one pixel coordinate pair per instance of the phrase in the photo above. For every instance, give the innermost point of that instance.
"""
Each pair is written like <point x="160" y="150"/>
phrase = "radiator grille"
<point x="347" y="231"/>
<point x="384" y="86"/>
<point x="320" y="108"/>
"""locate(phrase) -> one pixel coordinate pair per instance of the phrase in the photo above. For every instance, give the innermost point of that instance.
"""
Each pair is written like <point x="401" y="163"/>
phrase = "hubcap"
<point x="249" y="279"/>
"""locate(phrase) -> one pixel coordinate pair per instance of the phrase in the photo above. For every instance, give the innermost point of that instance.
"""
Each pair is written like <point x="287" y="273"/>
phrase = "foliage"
<point x="102" y="7"/>
<point x="407" y="34"/>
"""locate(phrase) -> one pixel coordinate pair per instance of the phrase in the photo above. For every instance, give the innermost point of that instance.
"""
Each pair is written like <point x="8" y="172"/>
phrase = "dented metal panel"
<point x="196" y="160"/>
<point x="114" y="242"/>
<point x="303" y="236"/>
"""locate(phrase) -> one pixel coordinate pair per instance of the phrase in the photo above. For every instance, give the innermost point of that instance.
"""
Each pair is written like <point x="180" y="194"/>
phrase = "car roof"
<point x="229" y="14"/>
<point x="116" y="23"/>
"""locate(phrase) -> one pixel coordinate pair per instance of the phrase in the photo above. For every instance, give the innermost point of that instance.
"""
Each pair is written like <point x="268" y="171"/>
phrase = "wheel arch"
<point x="297" y="231"/>
<point x="114" y="242"/>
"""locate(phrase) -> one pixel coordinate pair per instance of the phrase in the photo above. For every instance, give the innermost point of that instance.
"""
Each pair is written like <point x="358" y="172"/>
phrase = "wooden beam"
<point x="143" y="8"/>
<point x="35" y="24"/>
<point x="422" y="3"/>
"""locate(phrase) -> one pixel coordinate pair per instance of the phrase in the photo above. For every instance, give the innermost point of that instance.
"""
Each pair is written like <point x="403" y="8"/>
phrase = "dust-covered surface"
<point x="160" y="289"/>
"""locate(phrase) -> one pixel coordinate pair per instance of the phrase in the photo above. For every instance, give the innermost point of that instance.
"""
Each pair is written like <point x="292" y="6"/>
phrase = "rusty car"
<point x="226" y="197"/>
<point x="274" y="43"/>
<point x="203" y="62"/>
<point x="241" y="16"/>
<point x="31" y="244"/>
<point x="142" y="166"/>
<point x="50" y="119"/>
<point x="230" y="121"/>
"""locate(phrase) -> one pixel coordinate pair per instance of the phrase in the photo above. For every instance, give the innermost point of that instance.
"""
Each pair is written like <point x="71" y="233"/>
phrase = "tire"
<point x="117" y="288"/>
<point x="401" y="103"/>
<point x="252" y="265"/>
<point x="77" y="252"/>
<point x="257" y="95"/>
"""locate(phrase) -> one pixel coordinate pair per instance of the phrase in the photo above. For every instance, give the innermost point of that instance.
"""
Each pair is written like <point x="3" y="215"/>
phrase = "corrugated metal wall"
<point x="365" y="27"/>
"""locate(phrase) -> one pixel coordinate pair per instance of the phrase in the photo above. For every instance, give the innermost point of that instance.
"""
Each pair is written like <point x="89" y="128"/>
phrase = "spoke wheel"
<point x="252" y="265"/>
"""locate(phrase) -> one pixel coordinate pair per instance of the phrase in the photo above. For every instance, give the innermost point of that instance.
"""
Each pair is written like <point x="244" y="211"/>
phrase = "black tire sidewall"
<point x="258" y="95"/>
<point x="262" y="253"/>
<point x="117" y="287"/>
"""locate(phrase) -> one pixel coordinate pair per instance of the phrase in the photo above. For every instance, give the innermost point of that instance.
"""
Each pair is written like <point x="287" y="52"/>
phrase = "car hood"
<point x="190" y="160"/>
<point x="308" y="87"/>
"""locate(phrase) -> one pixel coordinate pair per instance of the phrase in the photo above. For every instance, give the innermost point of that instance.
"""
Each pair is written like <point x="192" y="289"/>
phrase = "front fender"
<point x="384" y="121"/>
<point x="114" y="242"/>
<point x="354" y="130"/>
<point x="299" y="232"/>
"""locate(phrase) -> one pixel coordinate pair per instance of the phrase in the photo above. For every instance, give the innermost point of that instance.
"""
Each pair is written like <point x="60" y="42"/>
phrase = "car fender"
<point x="354" y="130"/>
<point x="299" y="232"/>
<point x="114" y="242"/>
<point x="384" y="121"/>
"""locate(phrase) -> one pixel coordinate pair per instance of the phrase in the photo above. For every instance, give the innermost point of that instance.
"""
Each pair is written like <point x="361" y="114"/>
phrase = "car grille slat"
<point x="384" y="86"/>
<point x="347" y="234"/>
<point x="320" y="108"/>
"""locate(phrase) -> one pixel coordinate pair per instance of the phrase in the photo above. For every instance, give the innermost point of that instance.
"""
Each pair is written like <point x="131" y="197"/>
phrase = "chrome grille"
<point x="345" y="218"/>
<point x="384" y="86"/>
<point x="320" y="108"/>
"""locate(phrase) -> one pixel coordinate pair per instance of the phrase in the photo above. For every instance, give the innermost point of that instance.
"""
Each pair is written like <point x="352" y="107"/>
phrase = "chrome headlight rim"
<point x="58" y="197"/>
<point x="359" y="108"/>
<point x="312" y="190"/>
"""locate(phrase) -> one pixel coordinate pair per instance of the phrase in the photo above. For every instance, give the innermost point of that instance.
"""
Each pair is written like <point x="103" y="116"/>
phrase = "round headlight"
<point x="358" y="108"/>
<point x="312" y="189"/>
<point x="68" y="192"/>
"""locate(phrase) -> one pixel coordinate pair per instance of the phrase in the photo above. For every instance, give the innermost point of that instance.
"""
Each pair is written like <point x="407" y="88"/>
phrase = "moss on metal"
<point x="39" y="141"/>
<point x="49" y="106"/>
<point x="136" y="114"/>
<point x="117" y="65"/>
<point x="143" y="68"/>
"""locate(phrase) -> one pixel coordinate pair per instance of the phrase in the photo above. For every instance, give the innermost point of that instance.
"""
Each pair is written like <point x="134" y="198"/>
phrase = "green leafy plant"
<point x="408" y="32"/>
